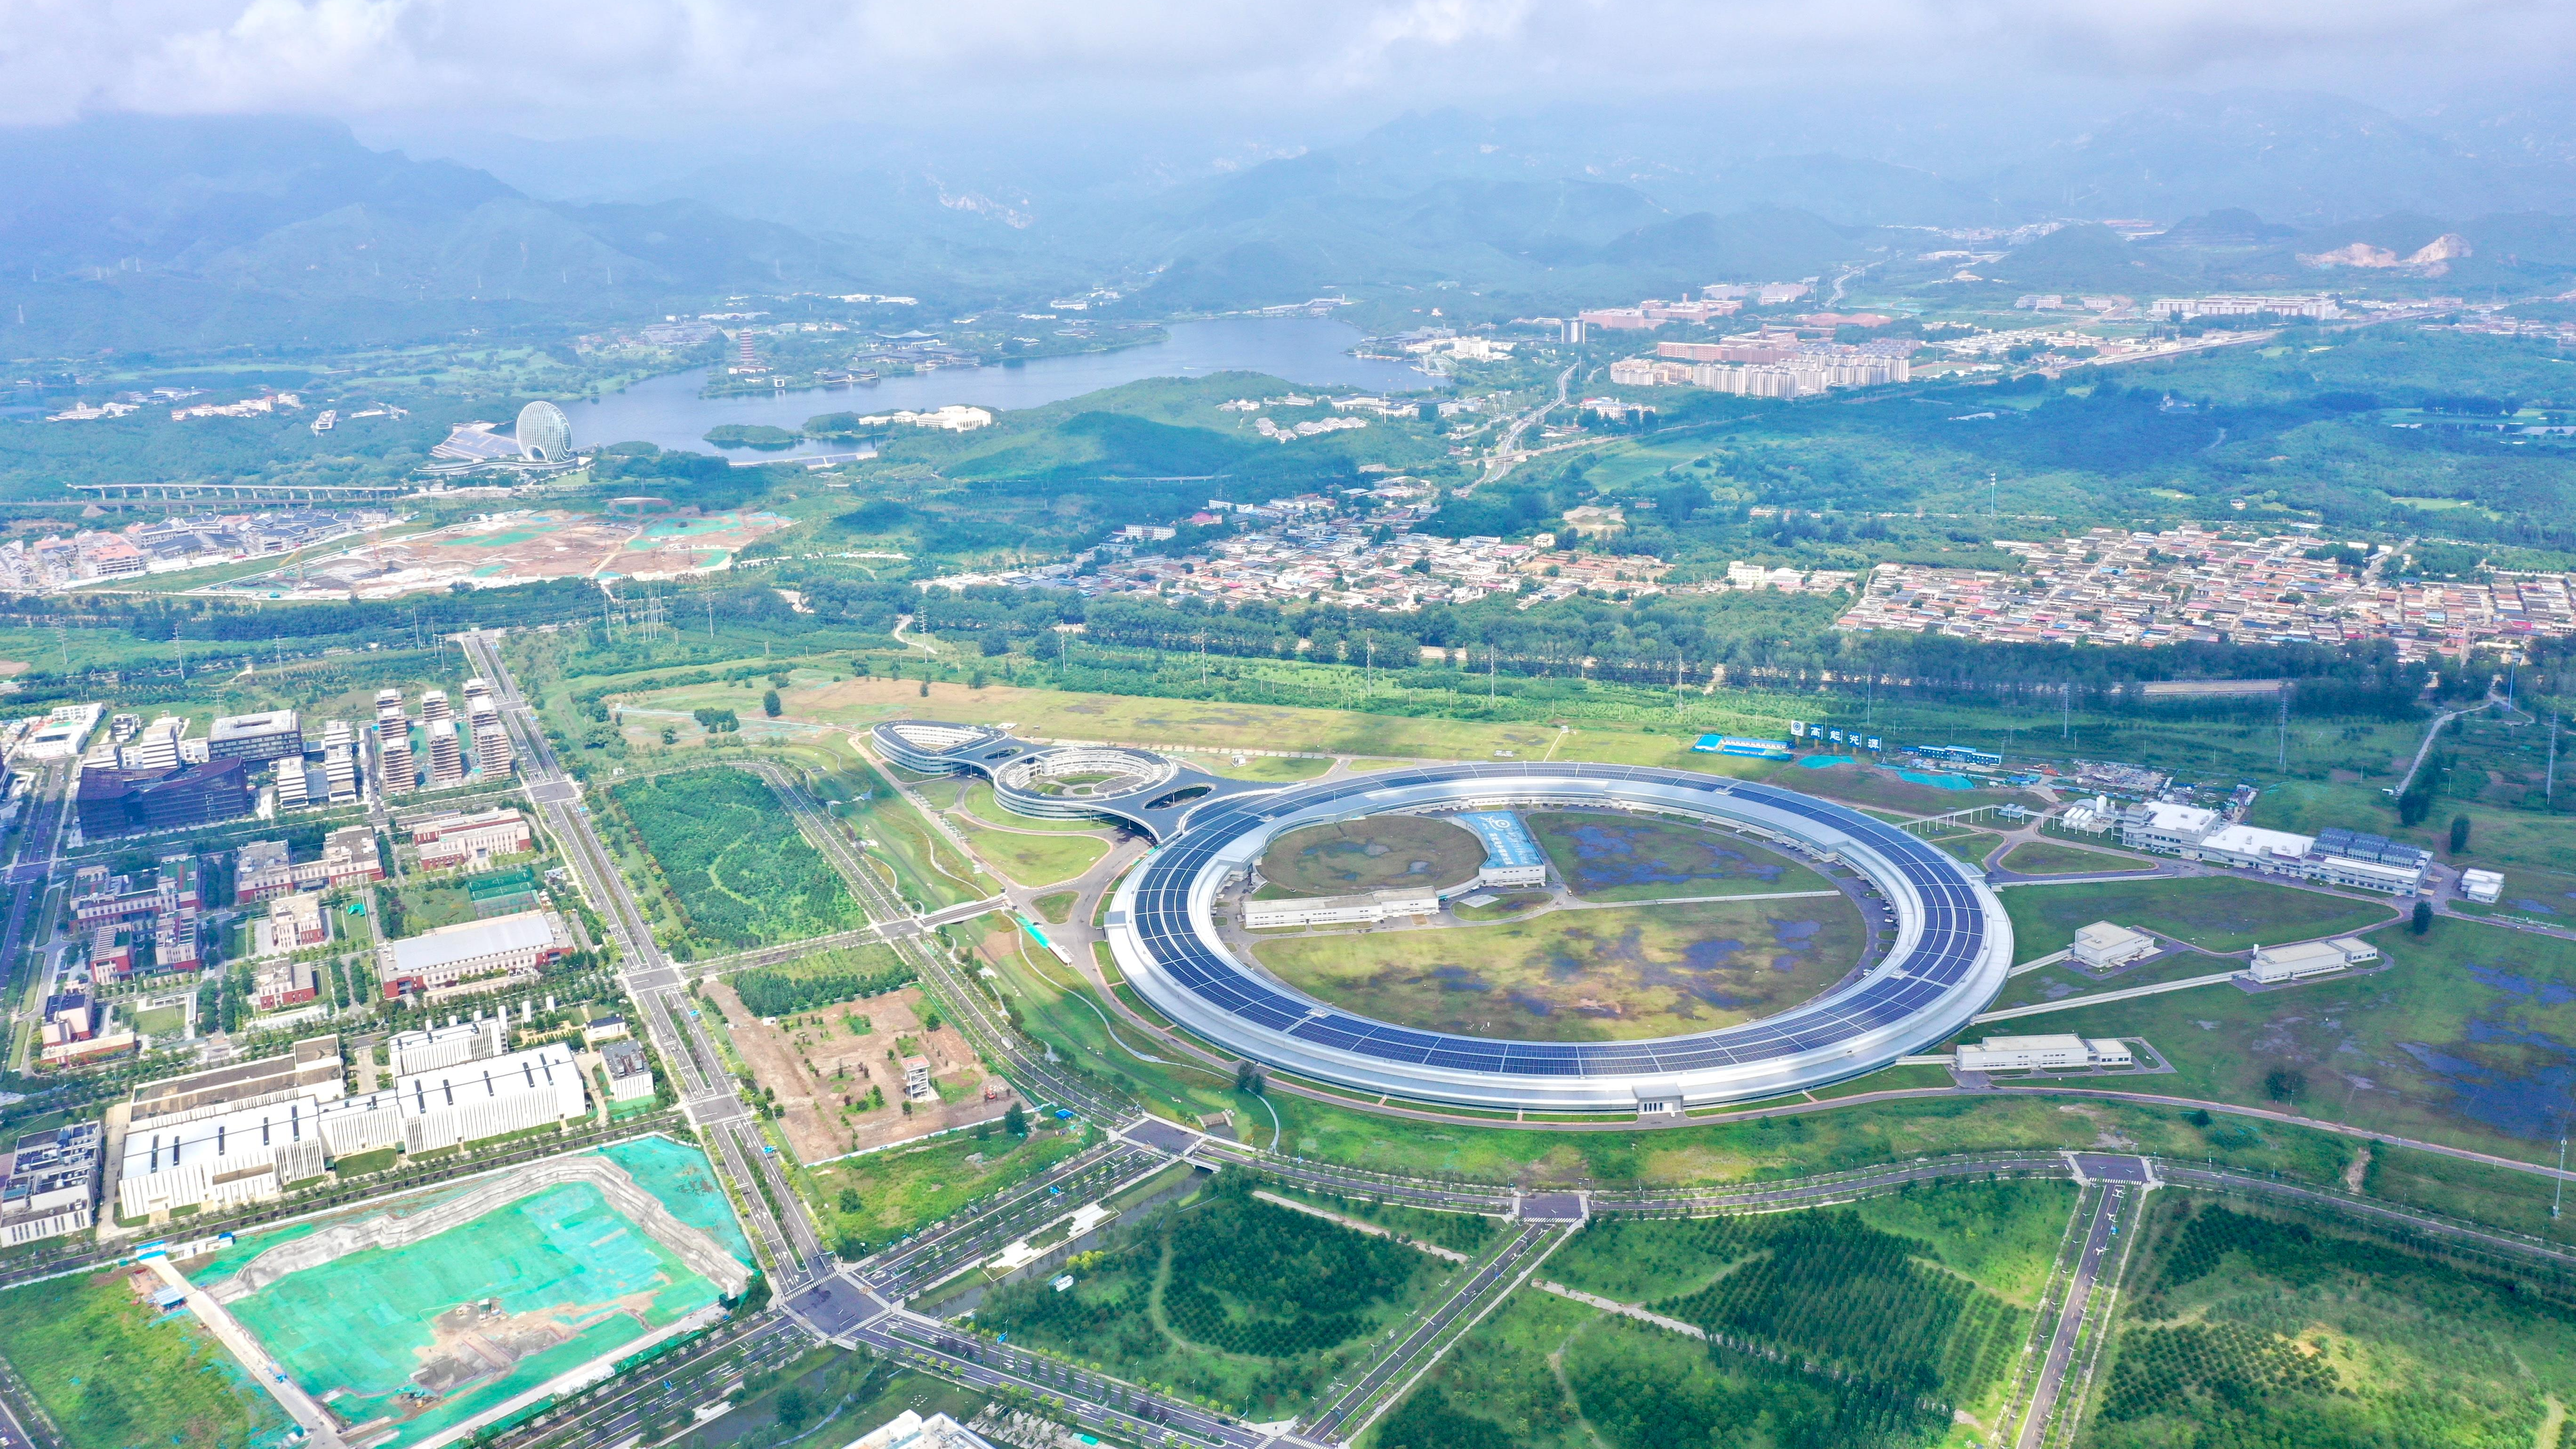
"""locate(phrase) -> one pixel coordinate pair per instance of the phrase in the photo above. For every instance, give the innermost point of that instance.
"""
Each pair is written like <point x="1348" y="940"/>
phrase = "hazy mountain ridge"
<point x="113" y="227"/>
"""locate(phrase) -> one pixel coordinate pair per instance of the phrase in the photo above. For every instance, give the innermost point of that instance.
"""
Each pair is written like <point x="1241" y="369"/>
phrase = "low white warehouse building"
<point x="1367" y="909"/>
<point x="474" y="1100"/>
<point x="219" y="1158"/>
<point x="2103" y="945"/>
<point x="2310" y="958"/>
<point x="2035" y="1053"/>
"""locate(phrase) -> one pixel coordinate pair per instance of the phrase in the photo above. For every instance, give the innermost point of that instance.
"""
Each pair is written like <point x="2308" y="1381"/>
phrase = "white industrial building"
<point x="2309" y="958"/>
<point x="2041" y="1053"/>
<point x="474" y="1100"/>
<point x="2335" y="857"/>
<point x="2482" y="885"/>
<point x="2273" y="852"/>
<point x="414" y="1052"/>
<point x="353" y="1125"/>
<point x="1369" y="908"/>
<point x="2162" y="826"/>
<point x="219" y="1158"/>
<point x="2103" y="945"/>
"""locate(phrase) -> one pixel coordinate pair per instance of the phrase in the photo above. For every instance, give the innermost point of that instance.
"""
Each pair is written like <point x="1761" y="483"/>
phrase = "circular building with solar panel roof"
<point x="1538" y="936"/>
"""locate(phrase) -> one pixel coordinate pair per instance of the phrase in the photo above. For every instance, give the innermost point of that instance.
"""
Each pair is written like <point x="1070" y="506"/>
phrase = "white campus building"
<point x="1369" y="908"/>
<point x="2335" y="857"/>
<point x="2040" y="1053"/>
<point x="2103" y="945"/>
<point x="2309" y="958"/>
<point x="2482" y="885"/>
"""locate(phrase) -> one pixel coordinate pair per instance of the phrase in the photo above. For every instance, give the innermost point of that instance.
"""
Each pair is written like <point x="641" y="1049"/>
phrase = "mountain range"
<point x="130" y="232"/>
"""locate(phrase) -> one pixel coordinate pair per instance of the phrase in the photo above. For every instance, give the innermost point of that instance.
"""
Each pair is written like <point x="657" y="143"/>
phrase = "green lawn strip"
<point x="1972" y="846"/>
<point x="2352" y="1338"/>
<point x="903" y="1189"/>
<point x="1617" y="857"/>
<point x="977" y="796"/>
<point x="110" y="1376"/>
<point x="2450" y="1044"/>
<point x="1264" y="768"/>
<point x="1615" y="973"/>
<point x="2215" y="913"/>
<point x="927" y="868"/>
<point x="1460" y="1232"/>
<point x="1035" y="860"/>
<point x="1203" y="726"/>
<point x="2047" y="857"/>
<point x="2064" y="981"/>
<point x="2455" y="1188"/>
<point x="1887" y="1079"/>
<point x="1054" y="907"/>
<point x="1828" y="1139"/>
<point x="1071" y="1019"/>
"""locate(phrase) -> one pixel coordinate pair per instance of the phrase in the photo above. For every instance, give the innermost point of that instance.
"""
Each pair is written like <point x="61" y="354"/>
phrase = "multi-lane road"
<point x="789" y="1247"/>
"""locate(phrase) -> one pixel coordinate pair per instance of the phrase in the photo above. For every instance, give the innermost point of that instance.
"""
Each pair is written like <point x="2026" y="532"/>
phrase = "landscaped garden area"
<point x="731" y="862"/>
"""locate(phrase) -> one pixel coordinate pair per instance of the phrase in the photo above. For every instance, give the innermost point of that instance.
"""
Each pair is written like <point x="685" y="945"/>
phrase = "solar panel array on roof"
<point x="1507" y="841"/>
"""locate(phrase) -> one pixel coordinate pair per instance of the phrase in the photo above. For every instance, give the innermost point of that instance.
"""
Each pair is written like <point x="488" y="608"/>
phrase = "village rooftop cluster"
<point x="2114" y="587"/>
<point x="171" y="544"/>
<point x="1296" y="550"/>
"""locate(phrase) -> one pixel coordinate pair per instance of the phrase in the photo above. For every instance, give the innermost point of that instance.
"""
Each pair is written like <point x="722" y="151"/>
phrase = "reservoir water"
<point x="1309" y="351"/>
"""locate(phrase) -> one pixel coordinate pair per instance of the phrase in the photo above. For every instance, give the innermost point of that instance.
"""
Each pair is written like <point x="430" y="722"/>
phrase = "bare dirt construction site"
<point x="822" y="1070"/>
<point x="519" y="547"/>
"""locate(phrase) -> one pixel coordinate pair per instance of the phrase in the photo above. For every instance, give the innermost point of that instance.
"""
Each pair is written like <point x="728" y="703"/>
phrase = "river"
<point x="1309" y="351"/>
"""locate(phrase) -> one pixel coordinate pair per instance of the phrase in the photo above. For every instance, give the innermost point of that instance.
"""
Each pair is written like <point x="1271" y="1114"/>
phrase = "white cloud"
<point x="641" y="64"/>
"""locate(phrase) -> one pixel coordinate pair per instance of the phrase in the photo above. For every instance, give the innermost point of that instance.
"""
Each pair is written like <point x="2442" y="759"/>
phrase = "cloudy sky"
<point x="594" y="66"/>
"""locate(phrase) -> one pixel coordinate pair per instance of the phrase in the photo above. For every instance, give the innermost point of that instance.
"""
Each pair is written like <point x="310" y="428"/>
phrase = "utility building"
<point x="2040" y="1053"/>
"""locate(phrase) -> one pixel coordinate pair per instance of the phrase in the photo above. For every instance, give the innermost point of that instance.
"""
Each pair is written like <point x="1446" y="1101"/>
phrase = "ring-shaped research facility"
<point x="1951" y="943"/>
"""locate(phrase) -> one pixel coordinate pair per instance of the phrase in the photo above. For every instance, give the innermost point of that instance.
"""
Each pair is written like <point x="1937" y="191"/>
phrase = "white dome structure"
<point x="545" y="434"/>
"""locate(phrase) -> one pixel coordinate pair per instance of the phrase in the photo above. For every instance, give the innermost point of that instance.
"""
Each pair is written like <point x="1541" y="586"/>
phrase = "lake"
<point x="1310" y="351"/>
